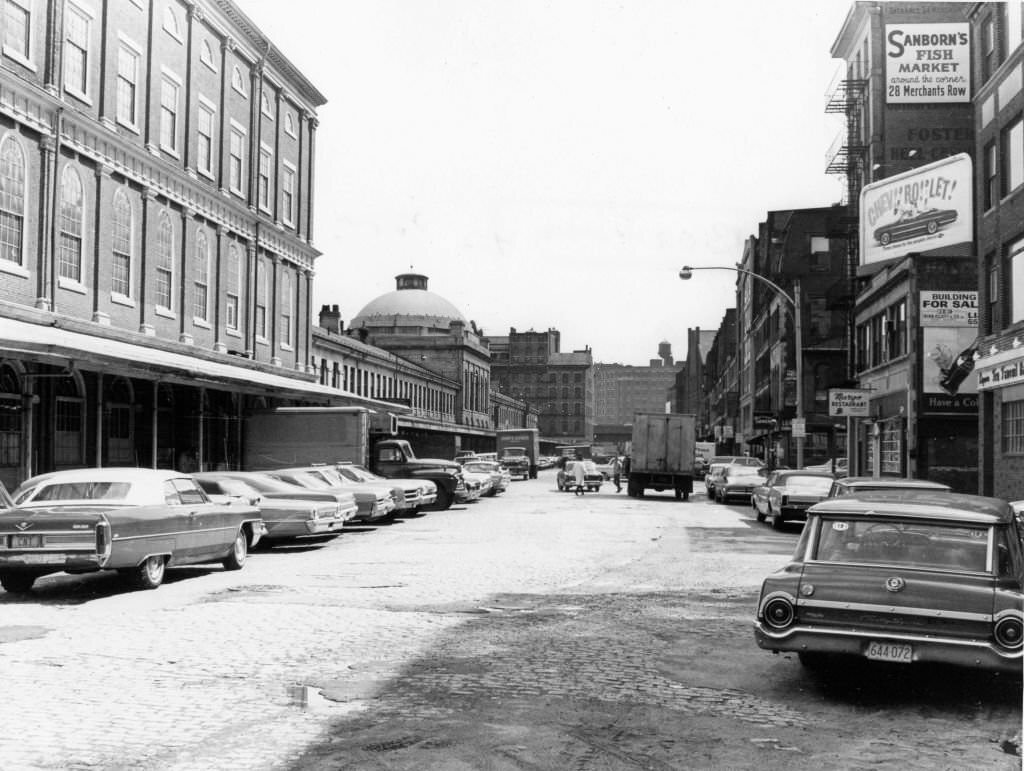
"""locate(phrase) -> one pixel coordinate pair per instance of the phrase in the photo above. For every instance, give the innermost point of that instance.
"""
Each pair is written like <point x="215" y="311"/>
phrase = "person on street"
<point x="580" y="474"/>
<point x="617" y="473"/>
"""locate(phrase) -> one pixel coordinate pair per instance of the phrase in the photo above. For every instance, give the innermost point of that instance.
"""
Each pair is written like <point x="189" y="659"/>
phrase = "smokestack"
<point x="330" y="319"/>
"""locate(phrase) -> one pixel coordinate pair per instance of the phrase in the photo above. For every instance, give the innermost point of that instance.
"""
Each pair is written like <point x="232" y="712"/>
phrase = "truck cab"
<point x="394" y="458"/>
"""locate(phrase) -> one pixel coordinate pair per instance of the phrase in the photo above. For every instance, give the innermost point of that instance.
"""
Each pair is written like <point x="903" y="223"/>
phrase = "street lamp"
<point x="686" y="272"/>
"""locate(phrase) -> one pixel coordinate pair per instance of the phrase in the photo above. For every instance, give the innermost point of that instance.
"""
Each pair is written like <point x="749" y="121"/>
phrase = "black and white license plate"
<point x="899" y="653"/>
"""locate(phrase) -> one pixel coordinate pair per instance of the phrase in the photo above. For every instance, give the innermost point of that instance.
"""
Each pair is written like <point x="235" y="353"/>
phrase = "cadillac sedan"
<point x="135" y="521"/>
<point x="289" y="512"/>
<point x="901" y="577"/>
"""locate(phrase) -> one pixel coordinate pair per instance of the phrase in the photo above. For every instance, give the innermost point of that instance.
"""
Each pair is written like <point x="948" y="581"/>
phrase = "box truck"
<point x="663" y="452"/>
<point x="518" y="450"/>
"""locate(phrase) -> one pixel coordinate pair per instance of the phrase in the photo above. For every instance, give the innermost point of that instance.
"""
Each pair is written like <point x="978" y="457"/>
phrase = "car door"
<point x="205" y="522"/>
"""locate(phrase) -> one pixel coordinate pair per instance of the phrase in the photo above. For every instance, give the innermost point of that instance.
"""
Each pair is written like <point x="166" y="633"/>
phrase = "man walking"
<point x="617" y="473"/>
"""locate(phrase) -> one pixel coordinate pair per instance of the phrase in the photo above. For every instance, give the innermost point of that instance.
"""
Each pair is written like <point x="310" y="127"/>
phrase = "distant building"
<point x="620" y="390"/>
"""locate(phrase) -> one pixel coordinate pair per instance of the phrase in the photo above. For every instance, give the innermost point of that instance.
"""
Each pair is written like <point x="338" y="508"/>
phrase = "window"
<point x="12" y="201"/>
<point x="896" y="329"/>
<point x="265" y="105"/>
<point x="988" y="48"/>
<point x="67" y="441"/>
<point x="206" y="55"/>
<point x="18" y="30"/>
<point x="204" y="140"/>
<point x="876" y="341"/>
<point x="261" y="300"/>
<point x="72" y="207"/>
<point x="994" y="302"/>
<point x="1012" y="141"/>
<point x="237" y="82"/>
<point x="288" y="194"/>
<point x="164" y="262"/>
<point x="990" y="161"/>
<point x="1013" y="427"/>
<point x="201" y="287"/>
<point x="121" y="227"/>
<point x="77" y="25"/>
<point x="1015" y="283"/>
<point x="263" y="178"/>
<point x="10" y="418"/>
<point x="236" y="150"/>
<point x="289" y="124"/>
<point x="287" y="305"/>
<point x="169" y="92"/>
<point x="233" y="288"/>
<point x="127" y="85"/>
<point x="171" y="26"/>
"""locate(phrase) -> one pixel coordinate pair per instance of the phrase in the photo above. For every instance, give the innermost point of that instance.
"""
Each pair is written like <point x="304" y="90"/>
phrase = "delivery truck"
<point x="304" y="436"/>
<point x="663" y="452"/>
<point x="518" y="450"/>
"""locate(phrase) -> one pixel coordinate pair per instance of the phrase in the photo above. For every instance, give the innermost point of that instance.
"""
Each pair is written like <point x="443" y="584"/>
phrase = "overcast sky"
<point x="553" y="163"/>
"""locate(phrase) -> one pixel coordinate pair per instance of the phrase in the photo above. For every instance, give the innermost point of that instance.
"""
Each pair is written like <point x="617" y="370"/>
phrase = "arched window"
<point x="165" y="262"/>
<point x="265" y="105"/>
<point x="121" y="231"/>
<point x="10" y="418"/>
<point x="233" y="288"/>
<point x="72" y="208"/>
<point x="12" y="201"/>
<point x="67" y="434"/>
<point x="206" y="55"/>
<point x="287" y="307"/>
<point x="171" y="22"/>
<point x="289" y="123"/>
<point x="201" y="287"/>
<point x="237" y="81"/>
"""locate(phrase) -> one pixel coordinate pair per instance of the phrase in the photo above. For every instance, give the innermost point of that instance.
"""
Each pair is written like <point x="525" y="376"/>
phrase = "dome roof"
<point x="412" y="303"/>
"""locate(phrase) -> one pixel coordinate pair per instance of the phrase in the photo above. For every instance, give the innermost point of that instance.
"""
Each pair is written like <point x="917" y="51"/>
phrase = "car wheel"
<point x="884" y="239"/>
<point x="441" y="502"/>
<point x="148" y="575"/>
<point x="239" y="551"/>
<point x="932" y="227"/>
<point x="17" y="583"/>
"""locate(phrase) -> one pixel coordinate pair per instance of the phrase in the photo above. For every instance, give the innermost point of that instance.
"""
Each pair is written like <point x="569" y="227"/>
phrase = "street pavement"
<point x="534" y="630"/>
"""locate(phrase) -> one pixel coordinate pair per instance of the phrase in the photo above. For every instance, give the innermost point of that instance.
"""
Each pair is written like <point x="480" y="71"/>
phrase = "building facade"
<point x="156" y="182"/>
<point x="620" y="390"/>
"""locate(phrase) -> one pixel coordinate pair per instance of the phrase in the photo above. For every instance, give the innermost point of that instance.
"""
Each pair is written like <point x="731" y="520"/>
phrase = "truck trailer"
<point x="518" y="450"/>
<point x="663" y="451"/>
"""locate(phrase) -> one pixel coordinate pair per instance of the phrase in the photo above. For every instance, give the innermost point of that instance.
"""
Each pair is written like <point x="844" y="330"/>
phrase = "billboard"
<point x="927" y="63"/>
<point x="930" y="207"/>
<point x="947" y="369"/>
<point x="949" y="309"/>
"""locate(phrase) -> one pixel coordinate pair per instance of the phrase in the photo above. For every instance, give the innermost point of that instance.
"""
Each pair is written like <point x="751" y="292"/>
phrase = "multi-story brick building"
<point x="620" y="390"/>
<point x="999" y="209"/>
<point x="156" y="214"/>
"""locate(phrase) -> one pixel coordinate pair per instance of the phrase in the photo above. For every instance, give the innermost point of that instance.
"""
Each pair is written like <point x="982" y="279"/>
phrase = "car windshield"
<point x="907" y="544"/>
<point x="358" y="474"/>
<point x="83" y="491"/>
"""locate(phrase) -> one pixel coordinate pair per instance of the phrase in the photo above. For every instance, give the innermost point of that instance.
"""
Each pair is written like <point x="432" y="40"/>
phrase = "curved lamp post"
<point x="686" y="272"/>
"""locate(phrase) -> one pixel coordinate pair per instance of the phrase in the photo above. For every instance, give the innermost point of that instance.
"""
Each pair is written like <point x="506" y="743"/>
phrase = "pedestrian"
<point x="617" y="473"/>
<point x="580" y="473"/>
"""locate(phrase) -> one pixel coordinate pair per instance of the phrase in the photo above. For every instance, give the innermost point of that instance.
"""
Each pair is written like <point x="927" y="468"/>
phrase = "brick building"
<point x="620" y="390"/>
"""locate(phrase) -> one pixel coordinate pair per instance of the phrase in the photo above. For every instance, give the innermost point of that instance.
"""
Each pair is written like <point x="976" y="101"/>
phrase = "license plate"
<point x="897" y="652"/>
<point x="26" y="541"/>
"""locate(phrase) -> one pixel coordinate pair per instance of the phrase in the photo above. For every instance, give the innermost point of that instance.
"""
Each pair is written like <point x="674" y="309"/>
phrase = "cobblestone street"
<point x="536" y="630"/>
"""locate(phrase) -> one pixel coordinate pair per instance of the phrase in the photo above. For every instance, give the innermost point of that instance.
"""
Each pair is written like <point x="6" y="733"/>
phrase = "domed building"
<point x="414" y="347"/>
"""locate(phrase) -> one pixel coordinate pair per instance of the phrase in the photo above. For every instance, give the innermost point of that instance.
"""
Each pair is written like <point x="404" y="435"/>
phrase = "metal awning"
<point x="64" y="347"/>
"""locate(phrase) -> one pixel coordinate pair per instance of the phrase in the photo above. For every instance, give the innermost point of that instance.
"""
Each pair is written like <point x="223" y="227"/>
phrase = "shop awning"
<point x="63" y="347"/>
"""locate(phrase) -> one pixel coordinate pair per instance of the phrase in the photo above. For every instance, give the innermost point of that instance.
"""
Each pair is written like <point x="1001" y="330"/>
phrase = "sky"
<point x="553" y="163"/>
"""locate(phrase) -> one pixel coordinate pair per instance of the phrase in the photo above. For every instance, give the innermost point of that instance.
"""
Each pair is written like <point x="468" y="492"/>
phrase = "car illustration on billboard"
<point x="911" y="224"/>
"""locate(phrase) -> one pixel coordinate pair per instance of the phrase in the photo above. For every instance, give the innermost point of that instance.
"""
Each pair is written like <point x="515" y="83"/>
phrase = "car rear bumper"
<point x="49" y="561"/>
<point x="965" y="652"/>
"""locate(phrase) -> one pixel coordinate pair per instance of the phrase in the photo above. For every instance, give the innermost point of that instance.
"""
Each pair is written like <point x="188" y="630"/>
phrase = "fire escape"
<point x="846" y="157"/>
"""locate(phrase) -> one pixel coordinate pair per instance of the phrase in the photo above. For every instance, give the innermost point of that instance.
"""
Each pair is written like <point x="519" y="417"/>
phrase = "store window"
<point x="1013" y="427"/>
<point x="67" y="434"/>
<point x="10" y="418"/>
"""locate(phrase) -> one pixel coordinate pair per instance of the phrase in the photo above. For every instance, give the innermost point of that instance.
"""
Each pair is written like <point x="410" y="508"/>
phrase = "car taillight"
<point x="1009" y="631"/>
<point x="779" y="612"/>
<point x="103" y="540"/>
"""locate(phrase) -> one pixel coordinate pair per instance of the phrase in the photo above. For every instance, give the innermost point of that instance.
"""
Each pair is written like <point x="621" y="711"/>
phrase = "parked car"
<point x="415" y="493"/>
<point x="500" y="477"/>
<point x="287" y="510"/>
<point x="788" y="494"/>
<point x="735" y="480"/>
<point x="566" y="477"/>
<point x="916" y="224"/>
<point x="470" y="488"/>
<point x="855" y="485"/>
<point x="374" y="502"/>
<point x="545" y="461"/>
<point x="839" y="467"/>
<point x="132" y="520"/>
<point x="904" y="577"/>
<point x="463" y="455"/>
<point x="717" y="462"/>
<point x="482" y="479"/>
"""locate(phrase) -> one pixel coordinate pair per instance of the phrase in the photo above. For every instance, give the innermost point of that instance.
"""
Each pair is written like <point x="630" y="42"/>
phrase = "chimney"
<point x="330" y="319"/>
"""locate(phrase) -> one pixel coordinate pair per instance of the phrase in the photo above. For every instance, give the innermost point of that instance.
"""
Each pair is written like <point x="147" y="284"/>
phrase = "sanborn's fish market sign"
<point x="927" y="63"/>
